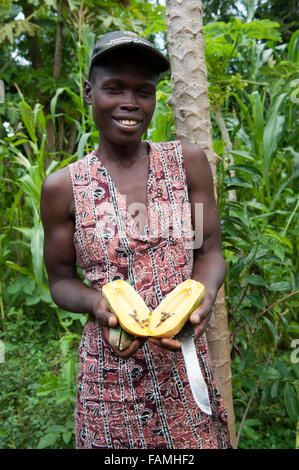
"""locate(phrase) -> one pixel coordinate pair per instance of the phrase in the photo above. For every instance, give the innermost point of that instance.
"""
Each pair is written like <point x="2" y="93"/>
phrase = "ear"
<point x="87" y="90"/>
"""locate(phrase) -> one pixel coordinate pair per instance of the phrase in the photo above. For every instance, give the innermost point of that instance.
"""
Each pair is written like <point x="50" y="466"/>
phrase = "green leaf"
<point x="294" y="328"/>
<point x="82" y="143"/>
<point x="17" y="285"/>
<point x="284" y="370"/>
<point x="262" y="29"/>
<point x="67" y="436"/>
<point x="250" y="169"/>
<point x="293" y="47"/>
<point x="243" y="154"/>
<point x="280" y="238"/>
<point x="56" y="428"/>
<point x="49" y="383"/>
<point x="241" y="215"/>
<point x="255" y="279"/>
<point x="284" y="185"/>
<point x="280" y="286"/>
<point x="257" y="205"/>
<point x="65" y="396"/>
<point x="273" y="126"/>
<point x="22" y="270"/>
<point x="25" y="230"/>
<point x="278" y="250"/>
<point x="66" y="341"/>
<point x="33" y="299"/>
<point x="257" y="107"/>
<point x="231" y="248"/>
<point x="268" y="373"/>
<point x="45" y="296"/>
<point x="256" y="300"/>
<point x="47" y="440"/>
<point x="274" y="390"/>
<point x="295" y="369"/>
<point x="235" y="182"/>
<point x="234" y="220"/>
<point x="272" y="133"/>
<point x="272" y="329"/>
<point x="53" y="105"/>
<point x="39" y="118"/>
<point x="28" y="120"/>
<point x="68" y="370"/>
<point x="29" y="286"/>
<point x="31" y="185"/>
<point x="76" y="99"/>
<point x="250" y="432"/>
<point x="253" y="422"/>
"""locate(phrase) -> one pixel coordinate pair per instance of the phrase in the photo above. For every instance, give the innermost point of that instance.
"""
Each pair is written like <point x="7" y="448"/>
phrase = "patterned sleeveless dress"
<point x="144" y="402"/>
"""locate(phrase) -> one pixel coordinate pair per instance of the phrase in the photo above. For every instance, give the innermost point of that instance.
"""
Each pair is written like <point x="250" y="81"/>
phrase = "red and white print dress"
<point x="143" y="402"/>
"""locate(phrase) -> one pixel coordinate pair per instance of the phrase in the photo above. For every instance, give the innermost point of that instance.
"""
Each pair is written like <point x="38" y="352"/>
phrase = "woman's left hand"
<point x="171" y="344"/>
<point x="201" y="316"/>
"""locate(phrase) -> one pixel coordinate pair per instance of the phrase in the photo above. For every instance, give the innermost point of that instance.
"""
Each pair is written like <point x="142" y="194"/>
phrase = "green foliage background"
<point x="254" y="93"/>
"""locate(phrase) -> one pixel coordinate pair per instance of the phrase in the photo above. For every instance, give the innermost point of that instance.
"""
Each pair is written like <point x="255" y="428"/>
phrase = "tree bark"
<point x="191" y="109"/>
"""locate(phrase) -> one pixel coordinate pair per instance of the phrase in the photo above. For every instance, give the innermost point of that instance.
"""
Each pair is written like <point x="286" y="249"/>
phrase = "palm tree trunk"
<point x="191" y="109"/>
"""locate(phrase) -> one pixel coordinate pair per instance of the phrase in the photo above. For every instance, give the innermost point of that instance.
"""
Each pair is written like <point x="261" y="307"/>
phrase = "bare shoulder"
<point x="56" y="193"/>
<point x="198" y="170"/>
<point x="57" y="181"/>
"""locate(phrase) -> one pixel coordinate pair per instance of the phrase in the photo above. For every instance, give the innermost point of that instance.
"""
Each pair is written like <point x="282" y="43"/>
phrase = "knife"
<point x="196" y="380"/>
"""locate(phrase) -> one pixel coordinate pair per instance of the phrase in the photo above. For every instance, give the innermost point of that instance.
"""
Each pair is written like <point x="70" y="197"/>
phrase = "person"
<point x="126" y="211"/>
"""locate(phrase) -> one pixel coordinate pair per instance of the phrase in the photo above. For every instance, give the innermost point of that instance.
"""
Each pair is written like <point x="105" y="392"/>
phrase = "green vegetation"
<point x="254" y="94"/>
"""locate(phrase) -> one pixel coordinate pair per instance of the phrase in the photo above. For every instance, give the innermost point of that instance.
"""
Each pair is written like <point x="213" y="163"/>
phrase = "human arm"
<point x="67" y="289"/>
<point x="209" y="265"/>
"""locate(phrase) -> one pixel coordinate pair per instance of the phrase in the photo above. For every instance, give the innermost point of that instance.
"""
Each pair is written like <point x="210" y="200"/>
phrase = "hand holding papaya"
<point x="108" y="321"/>
<point x="201" y="316"/>
<point x="159" y="326"/>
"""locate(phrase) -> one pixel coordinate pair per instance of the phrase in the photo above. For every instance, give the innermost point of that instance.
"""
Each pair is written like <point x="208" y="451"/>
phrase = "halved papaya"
<point x="170" y="316"/>
<point x="165" y="321"/>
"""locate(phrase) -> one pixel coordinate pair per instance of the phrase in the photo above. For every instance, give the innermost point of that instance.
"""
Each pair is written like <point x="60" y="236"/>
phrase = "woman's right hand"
<point x="107" y="320"/>
<point x="102" y="313"/>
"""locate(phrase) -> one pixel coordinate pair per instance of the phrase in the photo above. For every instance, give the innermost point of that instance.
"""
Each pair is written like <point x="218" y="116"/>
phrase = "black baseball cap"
<point x="117" y="40"/>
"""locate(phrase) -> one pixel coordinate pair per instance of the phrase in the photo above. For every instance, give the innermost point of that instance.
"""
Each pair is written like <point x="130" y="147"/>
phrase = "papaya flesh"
<point x="170" y="316"/>
<point x="165" y="321"/>
<point x="129" y="307"/>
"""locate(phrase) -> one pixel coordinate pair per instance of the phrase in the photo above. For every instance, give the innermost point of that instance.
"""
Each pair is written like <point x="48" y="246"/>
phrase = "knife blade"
<point x="196" y="380"/>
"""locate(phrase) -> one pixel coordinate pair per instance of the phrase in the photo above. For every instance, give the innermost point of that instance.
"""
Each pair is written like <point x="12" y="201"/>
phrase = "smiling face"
<point x="122" y="93"/>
